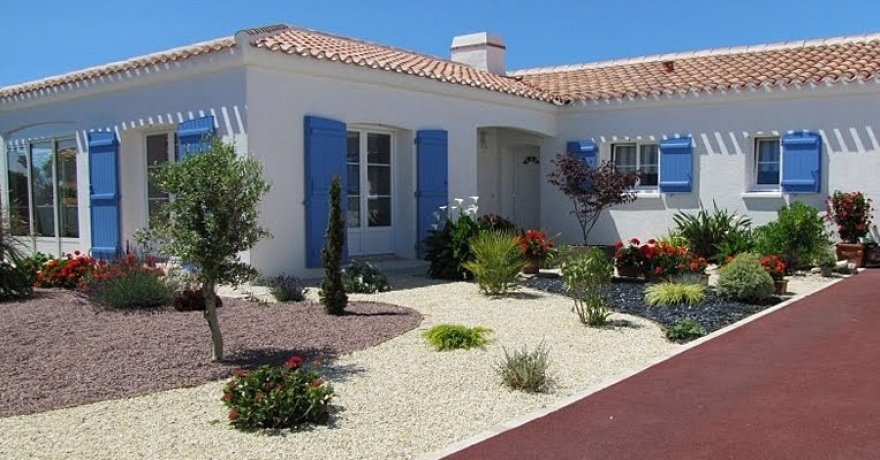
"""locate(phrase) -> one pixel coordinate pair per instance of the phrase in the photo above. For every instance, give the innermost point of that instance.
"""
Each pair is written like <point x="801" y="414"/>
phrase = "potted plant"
<point x="630" y="258"/>
<point x="850" y="212"/>
<point x="776" y="268"/>
<point x="826" y="262"/>
<point x="535" y="247"/>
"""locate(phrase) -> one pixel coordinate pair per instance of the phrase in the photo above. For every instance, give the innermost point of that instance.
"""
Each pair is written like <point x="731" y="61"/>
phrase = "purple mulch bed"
<point x="57" y="350"/>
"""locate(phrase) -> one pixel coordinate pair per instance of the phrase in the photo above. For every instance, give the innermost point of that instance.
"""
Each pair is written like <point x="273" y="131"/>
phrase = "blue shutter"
<point x="801" y="162"/>
<point x="583" y="150"/>
<point x="325" y="155"/>
<point x="194" y="136"/>
<point x="676" y="165"/>
<point x="104" y="195"/>
<point x="432" y="189"/>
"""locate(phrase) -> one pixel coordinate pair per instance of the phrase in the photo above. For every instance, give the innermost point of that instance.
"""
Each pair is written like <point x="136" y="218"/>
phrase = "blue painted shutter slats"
<point x="104" y="195"/>
<point x="801" y="162"/>
<point x="584" y="150"/>
<point x="432" y="189"/>
<point x="676" y="165"/>
<point x="325" y="154"/>
<point x="193" y="136"/>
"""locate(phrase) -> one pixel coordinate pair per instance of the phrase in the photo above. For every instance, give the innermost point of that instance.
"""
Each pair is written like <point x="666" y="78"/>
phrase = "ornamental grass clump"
<point x="526" y="370"/>
<point x="669" y="293"/>
<point x="127" y="283"/>
<point x="278" y="397"/>
<point x="745" y="279"/>
<point x="497" y="262"/>
<point x="445" y="337"/>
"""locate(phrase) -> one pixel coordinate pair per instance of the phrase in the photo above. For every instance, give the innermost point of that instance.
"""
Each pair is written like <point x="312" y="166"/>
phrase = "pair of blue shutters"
<point x="325" y="157"/>
<point x="676" y="160"/>
<point x="104" y="193"/>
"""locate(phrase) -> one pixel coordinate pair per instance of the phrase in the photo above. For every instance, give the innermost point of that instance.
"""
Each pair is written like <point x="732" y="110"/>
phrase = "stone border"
<point x="476" y="439"/>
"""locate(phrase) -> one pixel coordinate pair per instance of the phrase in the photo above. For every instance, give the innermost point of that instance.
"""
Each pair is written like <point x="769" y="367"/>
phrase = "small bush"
<point x="685" y="330"/>
<point x="363" y="277"/>
<point x="526" y="370"/>
<point x="448" y="247"/>
<point x="745" y="279"/>
<point x="14" y="283"/>
<point x="667" y="294"/>
<point x="497" y="263"/>
<point x="588" y="279"/>
<point x="66" y="272"/>
<point x="287" y="288"/>
<point x="32" y="264"/>
<point x="798" y="235"/>
<point x="191" y="300"/>
<point x="127" y="283"/>
<point x="733" y="244"/>
<point x="445" y="337"/>
<point x="277" y="397"/>
<point x="705" y="231"/>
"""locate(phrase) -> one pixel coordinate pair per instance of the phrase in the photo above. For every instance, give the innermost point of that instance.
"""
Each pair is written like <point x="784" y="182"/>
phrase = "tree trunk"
<point x="213" y="323"/>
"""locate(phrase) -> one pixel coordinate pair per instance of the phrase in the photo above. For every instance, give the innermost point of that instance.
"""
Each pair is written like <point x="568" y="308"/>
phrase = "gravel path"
<point x="56" y="350"/>
<point x="398" y="399"/>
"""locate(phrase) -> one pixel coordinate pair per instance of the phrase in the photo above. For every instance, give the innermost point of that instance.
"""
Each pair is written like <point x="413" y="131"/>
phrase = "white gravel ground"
<point x="399" y="399"/>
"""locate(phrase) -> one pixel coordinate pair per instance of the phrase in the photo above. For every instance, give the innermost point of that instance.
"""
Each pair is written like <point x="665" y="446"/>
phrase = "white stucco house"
<point x="750" y="128"/>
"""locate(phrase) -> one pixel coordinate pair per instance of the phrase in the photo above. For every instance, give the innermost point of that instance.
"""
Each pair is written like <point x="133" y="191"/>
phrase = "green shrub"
<point x="448" y="248"/>
<point x="797" y="235"/>
<point x="745" y="279"/>
<point x="667" y="294"/>
<point x="32" y="264"/>
<point x="332" y="291"/>
<point x="734" y="243"/>
<point x="15" y="281"/>
<point x="705" y="231"/>
<point x="445" y="337"/>
<point x="526" y="370"/>
<point x="128" y="283"/>
<point x="286" y="288"/>
<point x="277" y="397"/>
<point x="685" y="330"/>
<point x="362" y="277"/>
<point x="497" y="263"/>
<point x="588" y="280"/>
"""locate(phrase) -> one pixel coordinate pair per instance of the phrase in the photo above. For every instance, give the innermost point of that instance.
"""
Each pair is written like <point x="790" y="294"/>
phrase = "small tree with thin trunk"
<point x="332" y="290"/>
<point x="212" y="217"/>
<point x="591" y="190"/>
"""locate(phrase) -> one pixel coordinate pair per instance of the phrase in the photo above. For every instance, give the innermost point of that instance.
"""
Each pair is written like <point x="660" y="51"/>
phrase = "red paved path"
<point x="801" y="383"/>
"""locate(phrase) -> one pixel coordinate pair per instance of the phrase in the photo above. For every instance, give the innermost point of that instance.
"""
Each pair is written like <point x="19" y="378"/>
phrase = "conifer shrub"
<point x="332" y="291"/>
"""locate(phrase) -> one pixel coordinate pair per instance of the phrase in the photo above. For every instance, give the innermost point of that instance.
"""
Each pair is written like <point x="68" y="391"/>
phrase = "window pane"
<point x="768" y="162"/>
<point x="354" y="147"/>
<point x="648" y="170"/>
<point x="380" y="180"/>
<point x="43" y="190"/>
<point x="354" y="212"/>
<point x="157" y="149"/>
<point x="354" y="179"/>
<point x="379" y="210"/>
<point x="67" y="188"/>
<point x="648" y="156"/>
<point x="625" y="157"/>
<point x="19" y="192"/>
<point x="379" y="148"/>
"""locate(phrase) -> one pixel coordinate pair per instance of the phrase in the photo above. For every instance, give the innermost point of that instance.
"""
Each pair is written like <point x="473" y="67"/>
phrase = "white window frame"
<point x="364" y="131"/>
<point x="638" y="146"/>
<point x="753" y="174"/>
<point x="172" y="156"/>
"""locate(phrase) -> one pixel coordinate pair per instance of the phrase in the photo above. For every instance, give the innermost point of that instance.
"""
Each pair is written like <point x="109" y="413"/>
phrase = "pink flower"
<point x="294" y="362"/>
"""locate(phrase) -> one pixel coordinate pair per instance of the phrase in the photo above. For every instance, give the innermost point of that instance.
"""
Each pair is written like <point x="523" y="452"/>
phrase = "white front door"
<point x="527" y="186"/>
<point x="370" y="185"/>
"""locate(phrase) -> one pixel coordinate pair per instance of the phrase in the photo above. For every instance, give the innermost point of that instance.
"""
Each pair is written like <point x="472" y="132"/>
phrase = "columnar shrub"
<point x="798" y="235"/>
<point x="445" y="337"/>
<point x="362" y="277"/>
<point x="498" y="261"/>
<point x="526" y="370"/>
<point x="587" y="280"/>
<point x="745" y="279"/>
<point x="332" y="291"/>
<point x="278" y="397"/>
<point x="127" y="283"/>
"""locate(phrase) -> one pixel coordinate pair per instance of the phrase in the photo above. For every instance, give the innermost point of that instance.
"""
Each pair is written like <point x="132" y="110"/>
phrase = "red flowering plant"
<point x="128" y="283"/>
<point x="277" y="397"/>
<point x="65" y="272"/>
<point x="668" y="260"/>
<point x="534" y="243"/>
<point x="774" y="266"/>
<point x="633" y="253"/>
<point x="850" y="212"/>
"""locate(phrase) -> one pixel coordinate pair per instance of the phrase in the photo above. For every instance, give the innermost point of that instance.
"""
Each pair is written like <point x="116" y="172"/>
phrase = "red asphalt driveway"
<point x="801" y="383"/>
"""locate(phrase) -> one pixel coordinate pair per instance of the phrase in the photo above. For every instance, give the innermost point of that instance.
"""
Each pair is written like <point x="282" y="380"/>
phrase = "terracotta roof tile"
<point x="804" y="63"/>
<point x="320" y="45"/>
<point x="176" y="54"/>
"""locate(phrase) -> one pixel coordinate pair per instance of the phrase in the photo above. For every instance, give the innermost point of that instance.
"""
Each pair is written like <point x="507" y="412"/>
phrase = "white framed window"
<point x="767" y="164"/>
<point x="159" y="149"/>
<point x="369" y="179"/>
<point x="643" y="158"/>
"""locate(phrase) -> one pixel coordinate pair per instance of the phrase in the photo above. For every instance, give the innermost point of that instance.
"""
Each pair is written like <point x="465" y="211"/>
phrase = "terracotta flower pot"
<point x="781" y="286"/>
<point x="851" y="252"/>
<point x="533" y="265"/>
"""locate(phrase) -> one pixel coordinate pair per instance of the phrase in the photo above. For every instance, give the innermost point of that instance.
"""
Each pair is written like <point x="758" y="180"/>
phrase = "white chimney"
<point x="482" y="50"/>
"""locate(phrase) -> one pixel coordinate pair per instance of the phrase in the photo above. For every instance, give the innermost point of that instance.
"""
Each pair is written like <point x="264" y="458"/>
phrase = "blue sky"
<point x="48" y="37"/>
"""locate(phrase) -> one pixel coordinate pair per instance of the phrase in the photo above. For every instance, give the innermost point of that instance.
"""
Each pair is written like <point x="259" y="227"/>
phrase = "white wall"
<point x="846" y="117"/>
<point x="282" y="90"/>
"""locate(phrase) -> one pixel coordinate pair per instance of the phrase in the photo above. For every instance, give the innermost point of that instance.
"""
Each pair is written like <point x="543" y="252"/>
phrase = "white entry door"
<point x="527" y="186"/>
<point x="370" y="186"/>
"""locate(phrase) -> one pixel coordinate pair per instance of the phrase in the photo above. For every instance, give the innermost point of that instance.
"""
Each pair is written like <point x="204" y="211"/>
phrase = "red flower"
<point x="233" y="414"/>
<point x="652" y="241"/>
<point x="635" y="242"/>
<point x="293" y="362"/>
<point x="658" y="270"/>
<point x="227" y="396"/>
<point x="240" y="373"/>
<point x="618" y="245"/>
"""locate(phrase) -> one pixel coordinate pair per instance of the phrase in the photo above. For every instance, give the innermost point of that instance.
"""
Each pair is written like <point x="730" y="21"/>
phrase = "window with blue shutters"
<point x="801" y="162"/>
<point x="676" y="165"/>
<point x="194" y="136"/>
<point x="325" y="153"/>
<point x="641" y="158"/>
<point x="104" y="194"/>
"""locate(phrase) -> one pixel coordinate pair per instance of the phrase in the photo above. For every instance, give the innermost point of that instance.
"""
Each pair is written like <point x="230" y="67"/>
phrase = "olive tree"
<point x="212" y="217"/>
